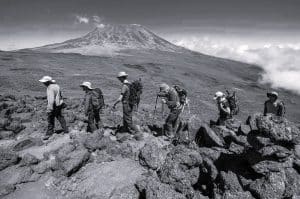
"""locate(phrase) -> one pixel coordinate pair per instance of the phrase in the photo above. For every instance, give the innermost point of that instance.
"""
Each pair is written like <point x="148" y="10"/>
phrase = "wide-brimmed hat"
<point x="87" y="84"/>
<point x="273" y="93"/>
<point x="122" y="74"/>
<point x="47" y="79"/>
<point x="163" y="87"/>
<point x="219" y="94"/>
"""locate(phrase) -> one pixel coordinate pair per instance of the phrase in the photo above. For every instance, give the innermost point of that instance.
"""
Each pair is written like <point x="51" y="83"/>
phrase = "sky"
<point x="264" y="32"/>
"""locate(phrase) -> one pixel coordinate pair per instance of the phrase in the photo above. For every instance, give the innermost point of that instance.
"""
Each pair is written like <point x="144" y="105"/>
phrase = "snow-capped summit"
<point x="112" y="38"/>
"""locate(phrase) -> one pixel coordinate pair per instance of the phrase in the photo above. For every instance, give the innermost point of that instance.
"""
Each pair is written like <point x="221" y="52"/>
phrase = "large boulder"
<point x="106" y="180"/>
<point x="152" y="155"/>
<point x="71" y="158"/>
<point x="271" y="186"/>
<point x="7" y="158"/>
<point x="152" y="188"/>
<point x="208" y="138"/>
<point x="181" y="169"/>
<point x="278" y="129"/>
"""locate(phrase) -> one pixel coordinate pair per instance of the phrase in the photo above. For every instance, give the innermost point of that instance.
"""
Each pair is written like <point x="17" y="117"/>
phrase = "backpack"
<point x="182" y="93"/>
<point x="233" y="103"/>
<point x="97" y="98"/>
<point x="135" y="91"/>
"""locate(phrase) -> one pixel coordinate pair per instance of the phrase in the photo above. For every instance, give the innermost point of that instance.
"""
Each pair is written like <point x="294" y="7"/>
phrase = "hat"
<point x="163" y="87"/>
<point x="218" y="95"/>
<point x="87" y="84"/>
<point x="122" y="74"/>
<point x="47" y="79"/>
<point x="273" y="93"/>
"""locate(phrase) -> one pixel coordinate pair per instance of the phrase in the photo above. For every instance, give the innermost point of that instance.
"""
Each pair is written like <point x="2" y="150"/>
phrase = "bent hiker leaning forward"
<point x="54" y="106"/>
<point x="127" y="106"/>
<point x="170" y="97"/>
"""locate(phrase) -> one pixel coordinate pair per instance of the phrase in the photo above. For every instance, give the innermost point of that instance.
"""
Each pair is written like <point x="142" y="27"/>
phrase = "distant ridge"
<point x="113" y="38"/>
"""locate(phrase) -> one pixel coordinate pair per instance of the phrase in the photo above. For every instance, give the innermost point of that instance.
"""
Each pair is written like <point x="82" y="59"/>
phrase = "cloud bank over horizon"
<point x="281" y="62"/>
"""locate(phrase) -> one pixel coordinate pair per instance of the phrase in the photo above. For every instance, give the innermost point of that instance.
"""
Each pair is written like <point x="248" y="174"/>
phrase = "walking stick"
<point x="155" y="104"/>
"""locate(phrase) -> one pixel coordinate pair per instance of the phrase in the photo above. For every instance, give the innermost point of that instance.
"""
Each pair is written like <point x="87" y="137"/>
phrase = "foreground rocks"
<point x="260" y="159"/>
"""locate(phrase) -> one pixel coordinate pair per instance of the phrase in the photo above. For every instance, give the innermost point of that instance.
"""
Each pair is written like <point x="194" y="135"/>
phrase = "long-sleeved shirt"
<point x="172" y="98"/>
<point x="88" y="106"/>
<point x="275" y="108"/>
<point x="53" y="96"/>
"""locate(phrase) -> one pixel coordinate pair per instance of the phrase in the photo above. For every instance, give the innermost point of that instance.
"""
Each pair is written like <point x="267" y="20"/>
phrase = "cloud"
<point x="281" y="62"/>
<point x="97" y="21"/>
<point x="82" y="19"/>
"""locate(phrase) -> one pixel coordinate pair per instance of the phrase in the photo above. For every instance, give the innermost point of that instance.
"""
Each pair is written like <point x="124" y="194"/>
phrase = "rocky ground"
<point x="260" y="159"/>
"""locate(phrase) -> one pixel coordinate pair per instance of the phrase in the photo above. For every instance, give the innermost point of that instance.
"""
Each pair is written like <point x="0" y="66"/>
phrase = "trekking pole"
<point x="155" y="104"/>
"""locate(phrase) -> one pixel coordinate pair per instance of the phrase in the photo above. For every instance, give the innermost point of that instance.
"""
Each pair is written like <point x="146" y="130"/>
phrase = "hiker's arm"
<point x="87" y="101"/>
<point x="265" y="109"/>
<point x="50" y="99"/>
<point x="118" y="101"/>
<point x="225" y="109"/>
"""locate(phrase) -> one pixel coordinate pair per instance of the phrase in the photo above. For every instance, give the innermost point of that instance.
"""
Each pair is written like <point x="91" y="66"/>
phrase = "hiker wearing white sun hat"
<point x="223" y="106"/>
<point x="273" y="105"/>
<point x="54" y="106"/>
<point x="127" y="108"/>
<point x="92" y="106"/>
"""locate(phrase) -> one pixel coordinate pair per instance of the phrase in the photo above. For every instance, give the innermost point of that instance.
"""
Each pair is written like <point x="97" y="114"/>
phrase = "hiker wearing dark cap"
<point x="273" y="105"/>
<point x="223" y="106"/>
<point x="91" y="107"/>
<point x="170" y="97"/>
<point x="127" y="107"/>
<point x="54" y="106"/>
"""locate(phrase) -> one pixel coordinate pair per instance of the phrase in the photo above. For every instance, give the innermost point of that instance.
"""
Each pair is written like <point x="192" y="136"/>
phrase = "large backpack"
<point x="97" y="98"/>
<point x="182" y="93"/>
<point x="233" y="103"/>
<point x="282" y="109"/>
<point x="135" y="91"/>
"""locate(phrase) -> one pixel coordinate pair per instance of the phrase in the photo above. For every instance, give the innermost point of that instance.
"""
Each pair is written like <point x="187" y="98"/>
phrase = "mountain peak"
<point x="113" y="38"/>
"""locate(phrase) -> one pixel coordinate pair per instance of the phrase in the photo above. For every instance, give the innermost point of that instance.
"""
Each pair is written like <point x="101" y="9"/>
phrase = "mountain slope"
<point x="113" y="38"/>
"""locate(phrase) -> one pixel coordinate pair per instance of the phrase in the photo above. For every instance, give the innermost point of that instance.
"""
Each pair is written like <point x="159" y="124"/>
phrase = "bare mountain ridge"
<point x="113" y="38"/>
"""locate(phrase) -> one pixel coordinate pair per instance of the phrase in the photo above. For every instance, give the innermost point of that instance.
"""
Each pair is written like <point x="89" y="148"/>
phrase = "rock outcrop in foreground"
<point x="260" y="159"/>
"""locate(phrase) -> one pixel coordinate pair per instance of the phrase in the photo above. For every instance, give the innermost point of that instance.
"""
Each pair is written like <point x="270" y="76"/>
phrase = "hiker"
<point x="92" y="107"/>
<point x="223" y="106"/>
<point x="170" y="97"/>
<point x="273" y="105"/>
<point x="127" y="105"/>
<point x="54" y="107"/>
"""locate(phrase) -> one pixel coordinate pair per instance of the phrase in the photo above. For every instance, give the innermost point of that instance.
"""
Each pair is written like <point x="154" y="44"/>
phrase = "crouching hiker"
<point x="223" y="106"/>
<point x="93" y="102"/>
<point x="127" y="99"/>
<point x="54" y="106"/>
<point x="170" y="97"/>
<point x="273" y="105"/>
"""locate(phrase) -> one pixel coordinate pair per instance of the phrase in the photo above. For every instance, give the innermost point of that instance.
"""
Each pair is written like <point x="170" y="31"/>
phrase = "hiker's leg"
<point x="61" y="119"/>
<point x="51" y="122"/>
<point x="91" y="122"/>
<point x="171" y="123"/>
<point x="127" y="118"/>
<point x="98" y="122"/>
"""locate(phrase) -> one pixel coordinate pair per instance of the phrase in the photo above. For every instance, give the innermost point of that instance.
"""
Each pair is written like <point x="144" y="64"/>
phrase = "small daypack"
<point x="135" y="91"/>
<point x="182" y="93"/>
<point x="233" y="103"/>
<point x="97" y="98"/>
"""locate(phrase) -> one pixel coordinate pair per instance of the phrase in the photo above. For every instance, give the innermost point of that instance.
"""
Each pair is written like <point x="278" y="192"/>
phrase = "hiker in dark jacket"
<point x="54" y="106"/>
<point x="273" y="105"/>
<point x="223" y="106"/>
<point x="91" y="111"/>
<point x="127" y="108"/>
<point x="170" y="97"/>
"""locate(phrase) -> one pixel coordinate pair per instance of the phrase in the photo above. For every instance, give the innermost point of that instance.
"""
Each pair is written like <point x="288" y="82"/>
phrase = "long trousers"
<point x="94" y="120"/>
<point x="171" y="122"/>
<point x="56" y="113"/>
<point x="127" y="118"/>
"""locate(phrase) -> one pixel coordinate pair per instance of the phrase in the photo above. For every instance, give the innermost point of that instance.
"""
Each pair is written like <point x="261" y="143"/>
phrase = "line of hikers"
<point x="174" y="97"/>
